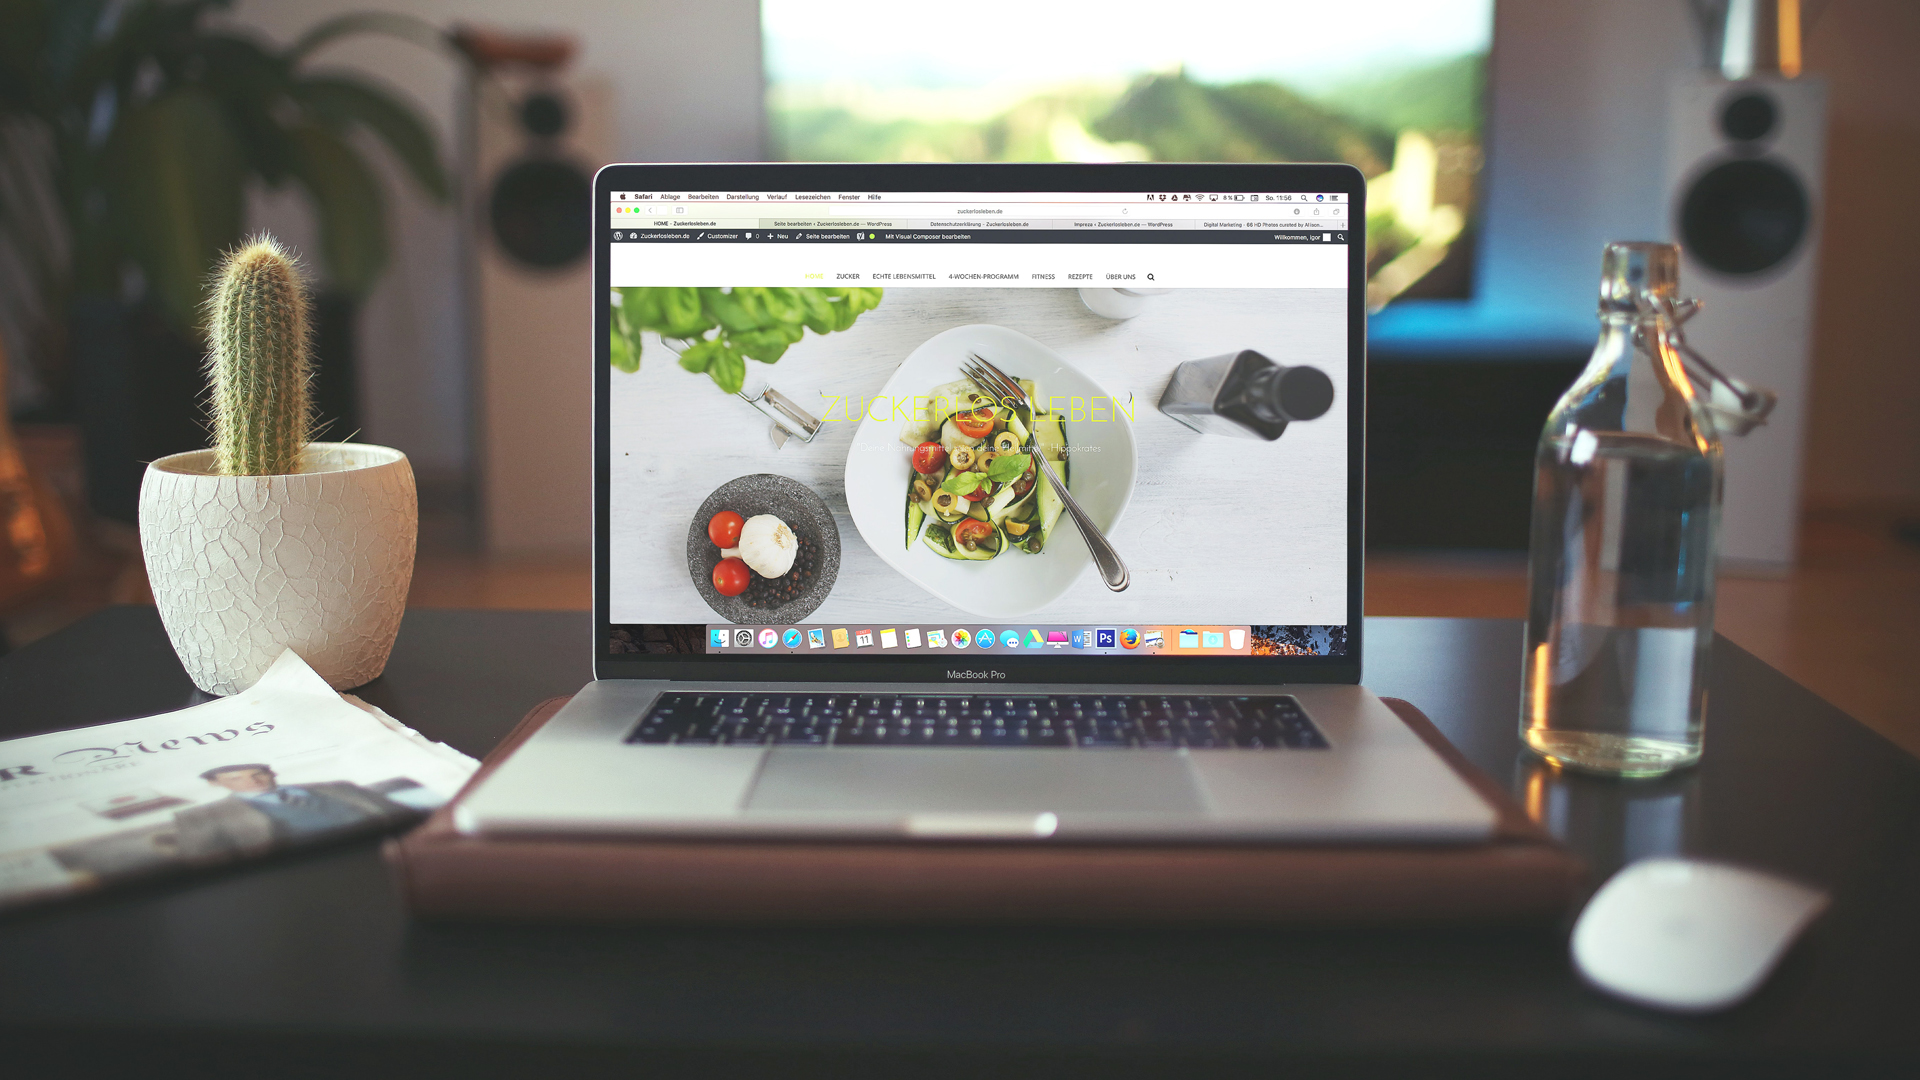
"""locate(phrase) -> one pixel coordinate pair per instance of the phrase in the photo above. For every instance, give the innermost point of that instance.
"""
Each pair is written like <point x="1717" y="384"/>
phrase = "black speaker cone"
<point x="542" y="212"/>
<point x="1748" y="117"/>
<point x="1743" y="217"/>
<point x="544" y="115"/>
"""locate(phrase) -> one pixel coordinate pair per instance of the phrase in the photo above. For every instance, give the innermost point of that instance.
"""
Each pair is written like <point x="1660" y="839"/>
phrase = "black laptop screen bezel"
<point x="931" y="667"/>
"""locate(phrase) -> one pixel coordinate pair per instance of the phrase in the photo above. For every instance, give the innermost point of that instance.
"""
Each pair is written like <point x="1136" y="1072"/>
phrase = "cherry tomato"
<point x="978" y="493"/>
<point x="928" y="458"/>
<point x="970" y="532"/>
<point x="724" y="530"/>
<point x="731" y="577"/>
<point x="977" y="424"/>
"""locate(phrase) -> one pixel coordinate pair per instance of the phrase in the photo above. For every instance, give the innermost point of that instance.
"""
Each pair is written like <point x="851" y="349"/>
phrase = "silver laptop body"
<point x="607" y="763"/>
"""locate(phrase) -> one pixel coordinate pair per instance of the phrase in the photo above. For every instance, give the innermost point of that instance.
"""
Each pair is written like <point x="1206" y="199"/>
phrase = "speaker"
<point x="537" y="137"/>
<point x="1744" y="176"/>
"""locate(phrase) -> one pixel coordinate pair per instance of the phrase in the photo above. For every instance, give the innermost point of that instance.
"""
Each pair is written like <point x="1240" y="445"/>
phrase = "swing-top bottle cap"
<point x="1641" y="277"/>
<point x="1637" y="268"/>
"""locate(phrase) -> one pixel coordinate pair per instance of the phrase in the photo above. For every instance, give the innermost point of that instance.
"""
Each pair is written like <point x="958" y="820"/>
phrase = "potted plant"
<point x="269" y="541"/>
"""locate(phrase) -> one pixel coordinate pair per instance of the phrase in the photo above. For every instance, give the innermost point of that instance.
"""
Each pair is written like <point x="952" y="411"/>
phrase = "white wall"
<point x="687" y="78"/>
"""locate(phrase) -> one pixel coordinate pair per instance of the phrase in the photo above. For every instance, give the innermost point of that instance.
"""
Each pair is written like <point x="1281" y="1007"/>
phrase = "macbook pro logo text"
<point x="952" y="674"/>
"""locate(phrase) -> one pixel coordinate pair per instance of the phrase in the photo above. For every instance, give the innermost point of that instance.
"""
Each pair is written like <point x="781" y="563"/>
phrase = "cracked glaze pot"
<point x="318" y="561"/>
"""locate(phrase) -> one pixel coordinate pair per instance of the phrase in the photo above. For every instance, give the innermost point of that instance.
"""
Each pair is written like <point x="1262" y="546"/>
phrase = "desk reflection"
<point x="1610" y="822"/>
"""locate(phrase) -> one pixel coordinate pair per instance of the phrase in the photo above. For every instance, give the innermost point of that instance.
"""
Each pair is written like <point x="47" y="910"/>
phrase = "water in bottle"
<point x="1625" y="522"/>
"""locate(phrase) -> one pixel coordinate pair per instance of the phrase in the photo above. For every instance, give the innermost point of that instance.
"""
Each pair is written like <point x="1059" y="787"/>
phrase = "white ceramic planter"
<point x="319" y="561"/>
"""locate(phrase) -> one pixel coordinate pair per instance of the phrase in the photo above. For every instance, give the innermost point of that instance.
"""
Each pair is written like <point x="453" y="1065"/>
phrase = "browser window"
<point x="865" y="420"/>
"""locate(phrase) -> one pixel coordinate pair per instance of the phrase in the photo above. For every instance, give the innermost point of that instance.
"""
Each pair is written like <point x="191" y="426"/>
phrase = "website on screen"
<point x="859" y="423"/>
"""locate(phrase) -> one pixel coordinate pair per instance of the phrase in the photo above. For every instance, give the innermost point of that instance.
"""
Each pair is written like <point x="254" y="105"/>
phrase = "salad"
<point x="974" y="491"/>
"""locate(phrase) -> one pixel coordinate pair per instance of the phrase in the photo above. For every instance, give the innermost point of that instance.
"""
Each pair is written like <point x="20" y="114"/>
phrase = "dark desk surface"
<point x="308" y="965"/>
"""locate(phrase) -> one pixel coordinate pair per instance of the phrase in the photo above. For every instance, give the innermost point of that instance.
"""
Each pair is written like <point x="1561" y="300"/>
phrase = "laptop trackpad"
<point x="1061" y="781"/>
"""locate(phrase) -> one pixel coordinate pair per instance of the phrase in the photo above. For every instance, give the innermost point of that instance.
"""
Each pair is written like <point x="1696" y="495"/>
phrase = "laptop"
<point x="978" y="502"/>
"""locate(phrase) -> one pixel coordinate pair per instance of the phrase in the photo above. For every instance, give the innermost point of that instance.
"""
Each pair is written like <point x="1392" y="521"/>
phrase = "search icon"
<point x="1149" y="277"/>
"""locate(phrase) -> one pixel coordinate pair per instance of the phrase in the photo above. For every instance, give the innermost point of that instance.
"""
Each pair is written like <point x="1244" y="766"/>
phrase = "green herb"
<point x="1008" y="467"/>
<point x="963" y="483"/>
<point x="747" y="323"/>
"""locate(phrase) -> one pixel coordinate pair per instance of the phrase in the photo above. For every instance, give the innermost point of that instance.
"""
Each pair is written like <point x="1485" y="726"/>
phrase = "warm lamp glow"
<point x="1542" y="670"/>
<point x="1789" y="23"/>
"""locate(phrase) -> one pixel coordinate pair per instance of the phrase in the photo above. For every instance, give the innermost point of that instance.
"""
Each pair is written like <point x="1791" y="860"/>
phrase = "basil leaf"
<point x="681" y="315"/>
<point x="624" y="351"/>
<point x="1008" y="467"/>
<point x="963" y="483"/>
<point x="699" y="355"/>
<point x="728" y="370"/>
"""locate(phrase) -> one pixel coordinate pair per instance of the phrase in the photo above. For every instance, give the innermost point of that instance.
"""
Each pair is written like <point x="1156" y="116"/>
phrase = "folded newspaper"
<point x="285" y="764"/>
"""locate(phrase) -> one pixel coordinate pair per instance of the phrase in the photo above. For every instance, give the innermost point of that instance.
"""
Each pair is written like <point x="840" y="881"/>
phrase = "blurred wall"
<point x="1574" y="151"/>
<point x="1863" y="439"/>
<point x="687" y="77"/>
<point x="1575" y="143"/>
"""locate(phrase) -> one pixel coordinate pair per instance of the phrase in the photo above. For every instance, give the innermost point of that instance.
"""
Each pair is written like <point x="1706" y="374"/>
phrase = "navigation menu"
<point x="1246" y="260"/>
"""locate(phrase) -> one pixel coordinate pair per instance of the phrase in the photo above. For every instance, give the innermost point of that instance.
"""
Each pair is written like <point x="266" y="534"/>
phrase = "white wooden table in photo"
<point x="1219" y="531"/>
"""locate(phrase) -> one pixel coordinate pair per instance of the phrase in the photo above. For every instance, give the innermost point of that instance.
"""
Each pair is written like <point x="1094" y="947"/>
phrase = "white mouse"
<point x="1689" y="936"/>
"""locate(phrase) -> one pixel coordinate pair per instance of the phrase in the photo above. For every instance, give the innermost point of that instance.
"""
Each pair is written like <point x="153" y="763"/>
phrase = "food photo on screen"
<point x="788" y="455"/>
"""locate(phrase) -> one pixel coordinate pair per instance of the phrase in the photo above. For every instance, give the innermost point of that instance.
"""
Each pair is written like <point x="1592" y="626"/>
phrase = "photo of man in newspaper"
<point x="262" y="814"/>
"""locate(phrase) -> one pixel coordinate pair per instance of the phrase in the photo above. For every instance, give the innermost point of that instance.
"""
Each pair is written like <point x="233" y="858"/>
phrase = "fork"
<point x="995" y="384"/>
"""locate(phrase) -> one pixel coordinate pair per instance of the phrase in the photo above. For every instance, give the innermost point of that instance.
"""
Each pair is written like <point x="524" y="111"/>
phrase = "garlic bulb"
<point x="767" y="545"/>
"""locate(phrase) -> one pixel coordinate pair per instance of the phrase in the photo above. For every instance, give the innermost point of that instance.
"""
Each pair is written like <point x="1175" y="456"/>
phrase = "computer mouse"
<point x="1687" y="935"/>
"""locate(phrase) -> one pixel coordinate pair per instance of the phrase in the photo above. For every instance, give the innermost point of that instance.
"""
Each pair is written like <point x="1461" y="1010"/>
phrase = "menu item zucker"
<point x="974" y="491"/>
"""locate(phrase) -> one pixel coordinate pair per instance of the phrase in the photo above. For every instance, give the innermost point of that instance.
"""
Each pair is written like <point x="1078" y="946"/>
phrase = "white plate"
<point x="1016" y="583"/>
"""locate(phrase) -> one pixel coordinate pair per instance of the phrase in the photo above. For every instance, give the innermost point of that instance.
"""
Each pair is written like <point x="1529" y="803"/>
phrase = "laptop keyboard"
<point x="1091" y="721"/>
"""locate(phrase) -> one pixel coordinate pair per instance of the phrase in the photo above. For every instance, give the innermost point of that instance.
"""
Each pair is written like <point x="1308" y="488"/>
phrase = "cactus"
<point x="259" y="363"/>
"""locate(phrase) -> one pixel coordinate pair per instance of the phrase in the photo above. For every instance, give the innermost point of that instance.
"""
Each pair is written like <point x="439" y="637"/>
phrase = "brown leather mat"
<point x="1521" y="873"/>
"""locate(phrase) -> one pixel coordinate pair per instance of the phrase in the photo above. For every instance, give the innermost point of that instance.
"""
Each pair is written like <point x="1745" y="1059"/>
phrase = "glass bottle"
<point x="1626" y="515"/>
<point x="1245" y="394"/>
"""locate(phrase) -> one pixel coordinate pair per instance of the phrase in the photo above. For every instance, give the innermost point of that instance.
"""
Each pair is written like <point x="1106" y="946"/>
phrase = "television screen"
<point x="1393" y="87"/>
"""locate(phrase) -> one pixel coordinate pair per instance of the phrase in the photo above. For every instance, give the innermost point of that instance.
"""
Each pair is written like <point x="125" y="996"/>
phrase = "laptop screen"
<point x="900" y="427"/>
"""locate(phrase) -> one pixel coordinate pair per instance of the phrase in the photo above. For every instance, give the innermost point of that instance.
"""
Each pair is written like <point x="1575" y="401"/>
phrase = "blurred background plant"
<point x="131" y="135"/>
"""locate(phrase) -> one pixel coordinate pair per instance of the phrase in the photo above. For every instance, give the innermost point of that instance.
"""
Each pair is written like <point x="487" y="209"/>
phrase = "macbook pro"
<point x="978" y="502"/>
